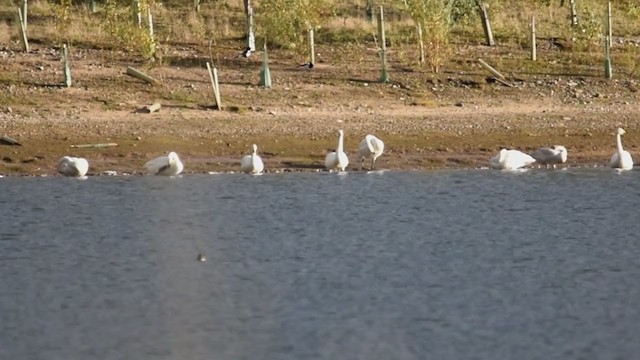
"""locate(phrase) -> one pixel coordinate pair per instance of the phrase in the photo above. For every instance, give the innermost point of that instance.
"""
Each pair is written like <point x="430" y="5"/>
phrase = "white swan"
<point x="165" y="165"/>
<point x="337" y="159"/>
<point x="621" y="159"/>
<point x="510" y="160"/>
<point x="370" y="146"/>
<point x="252" y="164"/>
<point x="73" y="166"/>
<point x="557" y="154"/>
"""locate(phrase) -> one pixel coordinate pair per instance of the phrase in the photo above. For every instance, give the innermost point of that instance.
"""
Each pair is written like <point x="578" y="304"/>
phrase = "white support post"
<point x="213" y="76"/>
<point x="151" y="36"/>
<point x="534" y="55"/>
<point x="23" y="32"/>
<point x="24" y="13"/>
<point x="65" y="67"/>
<point x="251" y="38"/>
<point x="384" y="76"/>
<point x="312" y="49"/>
<point x="137" y="13"/>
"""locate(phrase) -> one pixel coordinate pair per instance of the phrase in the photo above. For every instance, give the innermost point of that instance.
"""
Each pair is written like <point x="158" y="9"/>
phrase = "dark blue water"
<point x="401" y="265"/>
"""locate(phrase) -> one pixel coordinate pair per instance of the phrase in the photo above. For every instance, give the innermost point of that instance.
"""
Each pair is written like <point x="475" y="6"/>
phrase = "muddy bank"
<point x="437" y="138"/>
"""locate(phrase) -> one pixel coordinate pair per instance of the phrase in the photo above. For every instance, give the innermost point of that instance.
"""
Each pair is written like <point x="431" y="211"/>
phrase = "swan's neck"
<point x="619" y="143"/>
<point x="340" y="144"/>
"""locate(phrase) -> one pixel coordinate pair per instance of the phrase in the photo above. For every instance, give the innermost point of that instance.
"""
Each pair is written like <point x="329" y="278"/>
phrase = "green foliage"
<point x="434" y="17"/>
<point x="118" y="22"/>
<point x="285" y="22"/>
<point x="62" y="16"/>
<point x="632" y="7"/>
<point x="464" y="11"/>
<point x="589" y="32"/>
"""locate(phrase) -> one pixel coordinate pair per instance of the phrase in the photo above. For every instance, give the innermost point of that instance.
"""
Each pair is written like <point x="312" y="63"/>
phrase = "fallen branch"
<point x="140" y="75"/>
<point x="498" y="76"/>
<point x="5" y="140"/>
<point x="151" y="108"/>
<point x="94" y="145"/>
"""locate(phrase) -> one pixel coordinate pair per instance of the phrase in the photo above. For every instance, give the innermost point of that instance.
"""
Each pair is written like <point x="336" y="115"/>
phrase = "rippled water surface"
<point x="472" y="264"/>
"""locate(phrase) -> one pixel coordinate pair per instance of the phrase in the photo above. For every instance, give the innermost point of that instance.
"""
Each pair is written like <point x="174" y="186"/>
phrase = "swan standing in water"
<point x="370" y="146"/>
<point x="252" y="164"/>
<point x="73" y="166"/>
<point x="510" y="160"/>
<point x="169" y="165"/>
<point x="621" y="159"/>
<point x="557" y="154"/>
<point x="337" y="159"/>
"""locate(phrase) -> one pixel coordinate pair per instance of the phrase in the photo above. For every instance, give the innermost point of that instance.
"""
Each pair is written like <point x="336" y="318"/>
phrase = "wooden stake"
<point x="196" y="5"/>
<point x="213" y="76"/>
<point x="24" y="13"/>
<point x="94" y="145"/>
<point x="137" y="13"/>
<point x="150" y="24"/>
<point x="384" y="76"/>
<point x="574" y="13"/>
<point x="609" y="26"/>
<point x="421" y="44"/>
<point x="492" y="70"/>
<point x="251" y="39"/>
<point x="486" y="25"/>
<point x="66" y="70"/>
<point x="312" y="51"/>
<point x="23" y="32"/>
<point x="140" y="75"/>
<point x="534" y="55"/>
<point x="152" y="108"/>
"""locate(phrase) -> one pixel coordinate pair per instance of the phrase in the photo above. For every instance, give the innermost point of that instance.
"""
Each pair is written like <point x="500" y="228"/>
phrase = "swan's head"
<point x="340" y="132"/>
<point x="255" y="148"/>
<point x="173" y="158"/>
<point x="64" y="159"/>
<point x="560" y="148"/>
<point x="621" y="131"/>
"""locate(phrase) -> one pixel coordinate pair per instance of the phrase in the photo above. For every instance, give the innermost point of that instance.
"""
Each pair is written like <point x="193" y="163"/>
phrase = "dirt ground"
<point x="456" y="119"/>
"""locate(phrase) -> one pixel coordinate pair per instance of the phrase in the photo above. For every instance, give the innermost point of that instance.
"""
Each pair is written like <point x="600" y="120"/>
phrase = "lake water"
<point x="465" y="264"/>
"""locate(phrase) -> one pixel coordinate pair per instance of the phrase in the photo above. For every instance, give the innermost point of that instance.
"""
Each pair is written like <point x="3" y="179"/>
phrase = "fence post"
<point x="574" y="13"/>
<point x="137" y="13"/>
<point x="608" y="72"/>
<point x="486" y="25"/>
<point x="65" y="67"/>
<point x="23" y="32"/>
<point x="251" y="39"/>
<point x="24" y="14"/>
<point x="384" y="76"/>
<point x="534" y="55"/>
<point x="213" y="76"/>
<point x="312" y="49"/>
<point x="265" y="74"/>
<point x="150" y="21"/>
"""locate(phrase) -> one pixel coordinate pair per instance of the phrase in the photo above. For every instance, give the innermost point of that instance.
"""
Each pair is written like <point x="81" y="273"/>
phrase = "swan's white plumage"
<point x="557" y="154"/>
<point x="73" y="166"/>
<point x="370" y="146"/>
<point x="511" y="160"/>
<point x="621" y="159"/>
<point x="337" y="159"/>
<point x="169" y="165"/>
<point x="252" y="164"/>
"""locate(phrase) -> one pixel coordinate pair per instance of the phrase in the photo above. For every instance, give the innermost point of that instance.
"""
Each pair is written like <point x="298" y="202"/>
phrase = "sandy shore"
<point x="297" y="140"/>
